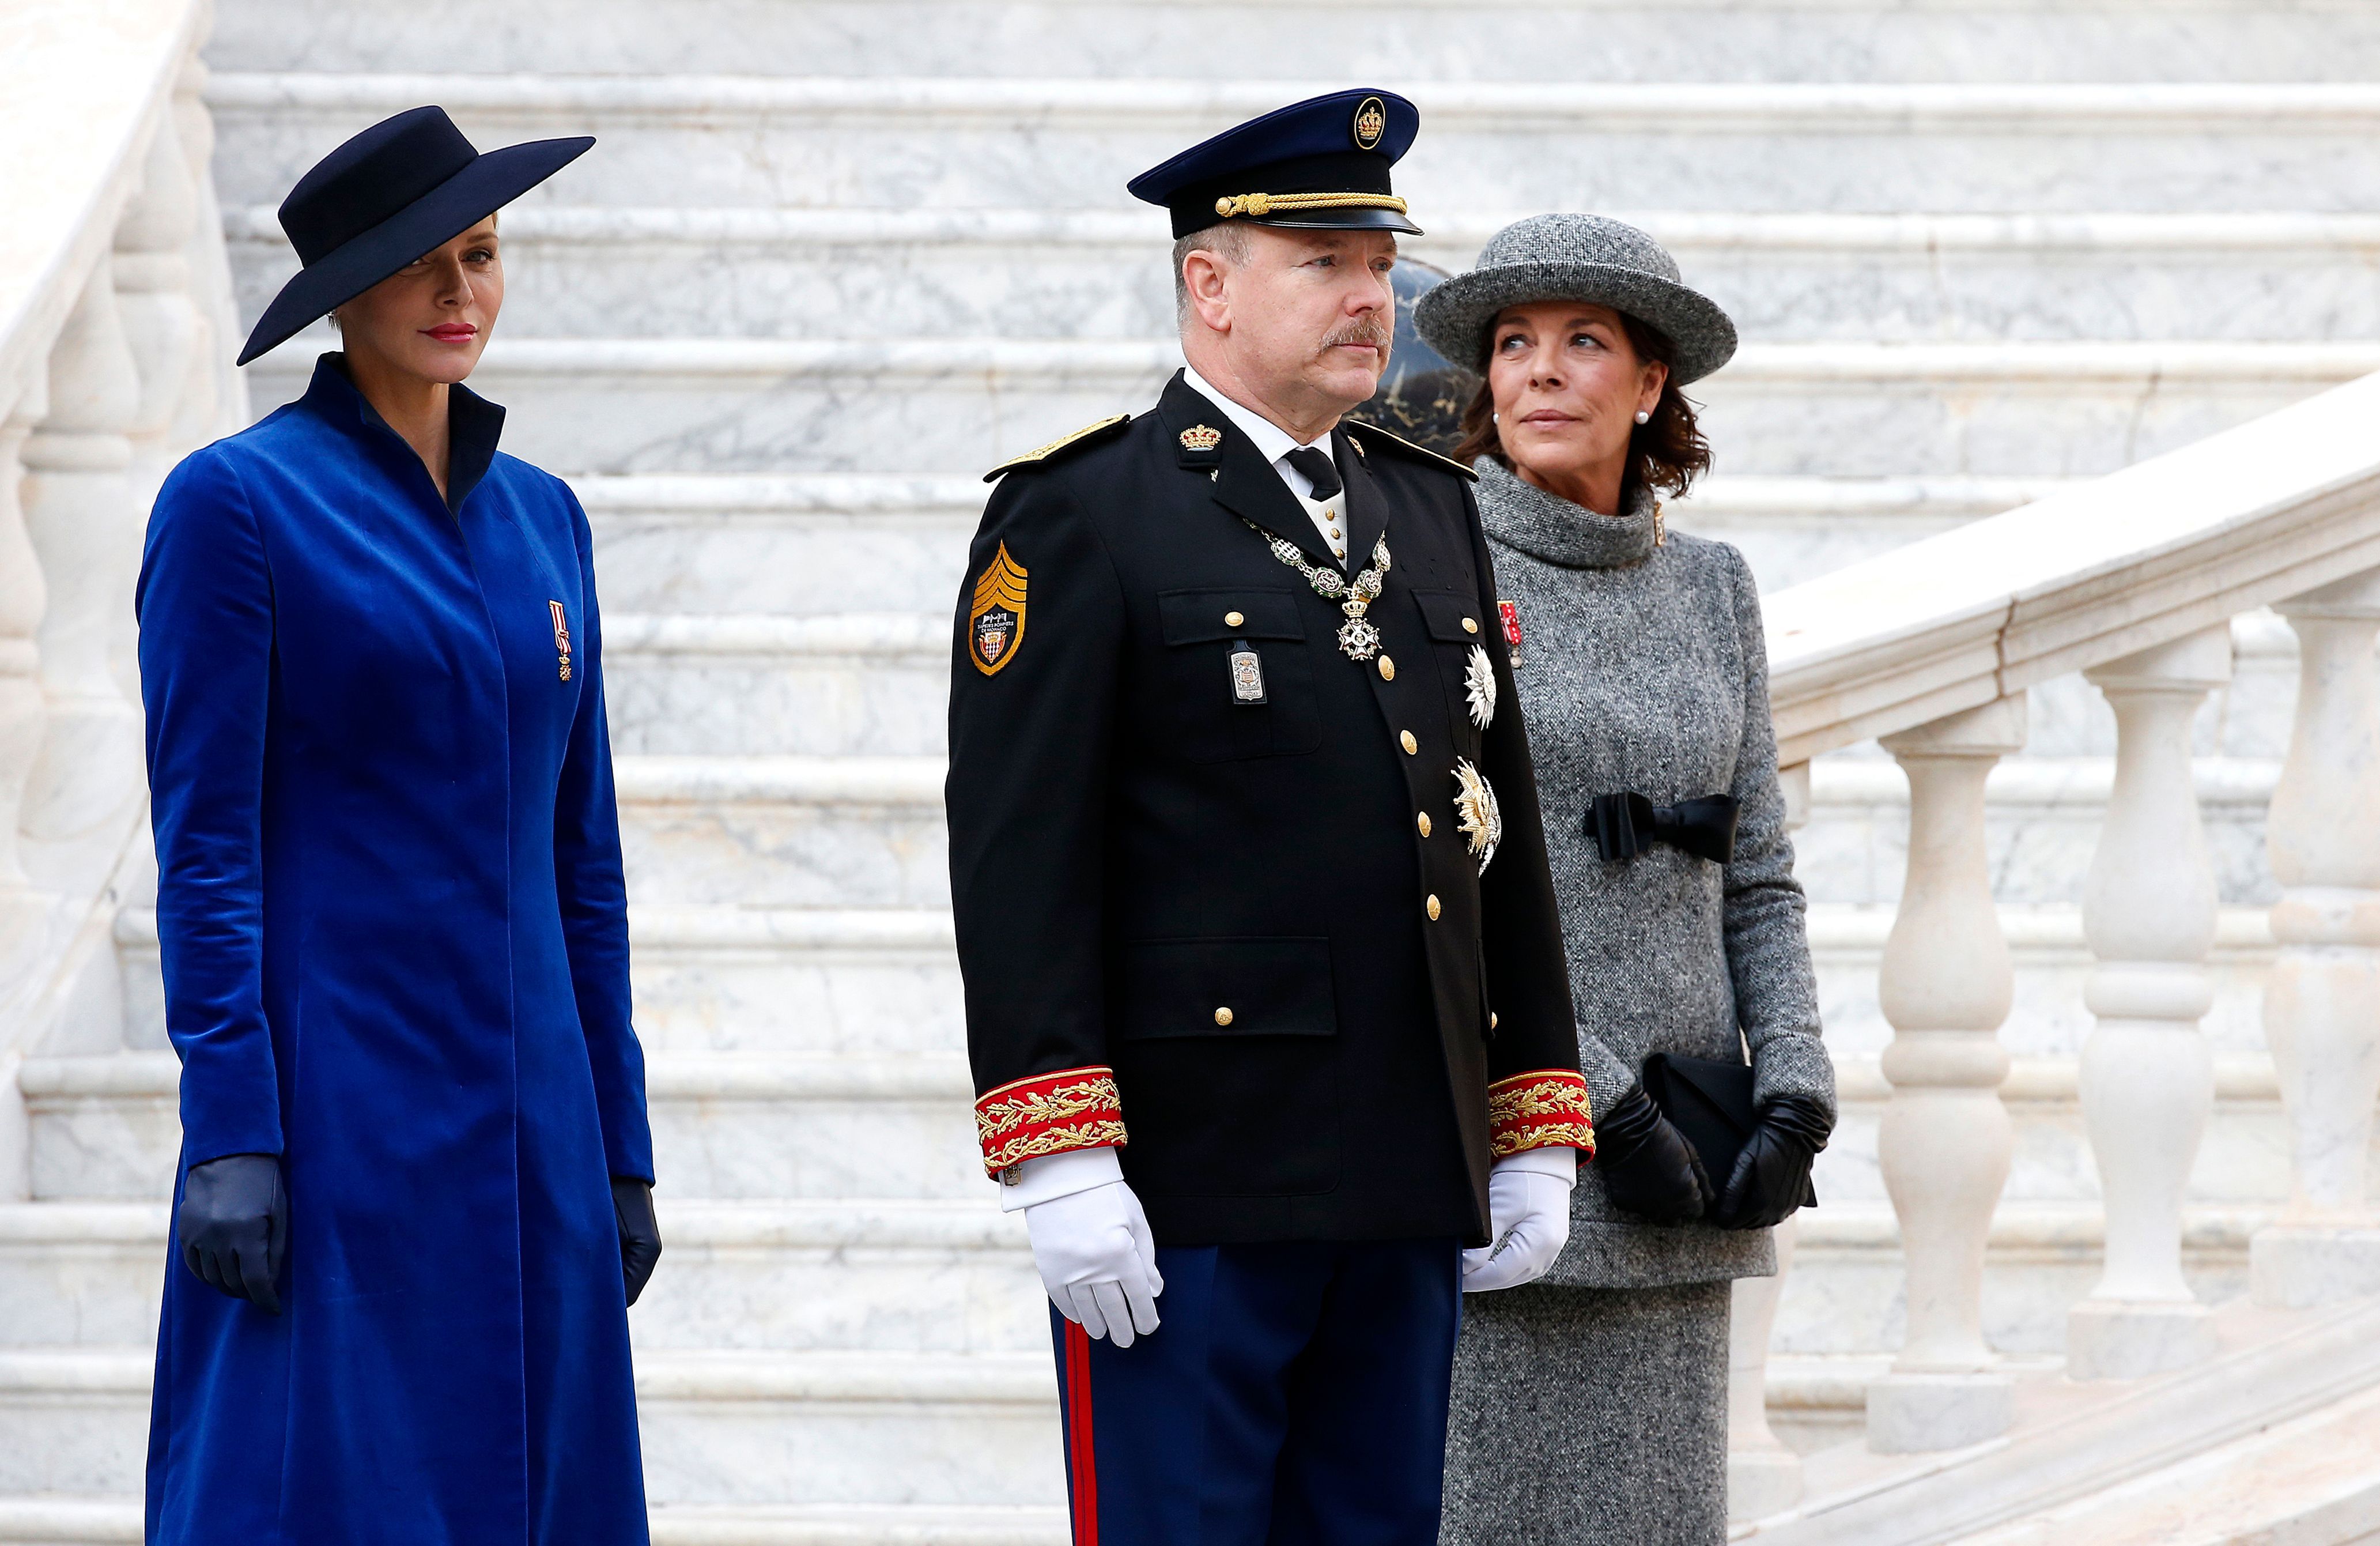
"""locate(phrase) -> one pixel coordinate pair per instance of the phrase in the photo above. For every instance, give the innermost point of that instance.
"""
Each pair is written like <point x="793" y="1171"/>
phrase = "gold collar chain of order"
<point x="1358" y="640"/>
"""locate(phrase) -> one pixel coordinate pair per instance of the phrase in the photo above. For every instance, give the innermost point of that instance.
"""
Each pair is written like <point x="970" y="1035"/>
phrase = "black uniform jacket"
<point x="1249" y="940"/>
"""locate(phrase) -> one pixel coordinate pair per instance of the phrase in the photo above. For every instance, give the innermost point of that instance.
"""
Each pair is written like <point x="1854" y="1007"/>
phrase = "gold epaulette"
<point x="1421" y="453"/>
<point x="1043" y="453"/>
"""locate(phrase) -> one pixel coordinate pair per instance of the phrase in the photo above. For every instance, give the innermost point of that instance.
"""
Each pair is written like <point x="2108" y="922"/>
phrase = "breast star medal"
<point x="560" y="636"/>
<point x="996" y="620"/>
<point x="1475" y="801"/>
<point x="1358" y="640"/>
<point x="1479" y="686"/>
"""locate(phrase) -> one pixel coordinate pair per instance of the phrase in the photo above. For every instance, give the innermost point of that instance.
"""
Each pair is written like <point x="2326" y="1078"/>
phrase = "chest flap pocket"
<point x="1201" y="616"/>
<point x="1452" y="616"/>
<point x="1236" y="680"/>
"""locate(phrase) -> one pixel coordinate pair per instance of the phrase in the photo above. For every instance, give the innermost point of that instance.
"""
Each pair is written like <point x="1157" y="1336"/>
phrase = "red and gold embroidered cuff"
<point x="1049" y="1113"/>
<point x="1544" y="1109"/>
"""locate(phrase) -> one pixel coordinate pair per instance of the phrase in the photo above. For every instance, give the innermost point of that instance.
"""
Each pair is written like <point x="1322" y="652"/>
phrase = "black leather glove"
<point x="1772" y="1173"/>
<point x="234" y="1225"/>
<point x="1646" y="1164"/>
<point x="641" y="1234"/>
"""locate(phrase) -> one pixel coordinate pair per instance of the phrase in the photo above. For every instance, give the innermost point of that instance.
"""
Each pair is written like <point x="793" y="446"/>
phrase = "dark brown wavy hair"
<point x="1666" y="452"/>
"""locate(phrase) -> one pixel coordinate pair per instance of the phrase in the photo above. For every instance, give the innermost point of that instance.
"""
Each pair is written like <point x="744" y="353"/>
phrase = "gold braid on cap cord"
<point x="1262" y="204"/>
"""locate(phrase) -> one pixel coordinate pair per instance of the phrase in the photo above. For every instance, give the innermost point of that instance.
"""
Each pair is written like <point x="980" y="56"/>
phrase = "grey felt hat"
<point x="1576" y="257"/>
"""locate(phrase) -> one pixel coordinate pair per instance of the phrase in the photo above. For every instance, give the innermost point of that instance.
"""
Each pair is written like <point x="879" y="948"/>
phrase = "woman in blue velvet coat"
<point x="414" y="1202"/>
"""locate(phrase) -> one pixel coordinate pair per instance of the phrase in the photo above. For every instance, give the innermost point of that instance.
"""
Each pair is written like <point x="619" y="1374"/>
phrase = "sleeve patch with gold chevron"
<point x="1083" y="436"/>
<point x="996" y="619"/>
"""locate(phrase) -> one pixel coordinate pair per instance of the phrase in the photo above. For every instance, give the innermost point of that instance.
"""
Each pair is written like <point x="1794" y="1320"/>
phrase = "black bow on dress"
<point x="1622" y="824"/>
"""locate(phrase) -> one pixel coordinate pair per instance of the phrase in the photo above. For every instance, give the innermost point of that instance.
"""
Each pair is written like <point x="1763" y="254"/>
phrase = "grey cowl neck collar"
<point x="1548" y="526"/>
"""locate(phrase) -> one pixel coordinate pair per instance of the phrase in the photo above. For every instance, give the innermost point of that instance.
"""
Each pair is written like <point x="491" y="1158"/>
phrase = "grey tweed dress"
<point x="1591" y="1406"/>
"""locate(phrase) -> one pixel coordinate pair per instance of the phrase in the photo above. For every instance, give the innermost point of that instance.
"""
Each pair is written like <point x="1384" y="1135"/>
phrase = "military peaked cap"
<point x="1321" y="164"/>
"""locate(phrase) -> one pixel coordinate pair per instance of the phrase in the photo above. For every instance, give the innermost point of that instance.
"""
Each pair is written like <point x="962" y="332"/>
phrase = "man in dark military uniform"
<point x="1265" y="984"/>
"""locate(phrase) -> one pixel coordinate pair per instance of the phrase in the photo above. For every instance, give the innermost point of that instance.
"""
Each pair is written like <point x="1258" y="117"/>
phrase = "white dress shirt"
<point x="1274" y="443"/>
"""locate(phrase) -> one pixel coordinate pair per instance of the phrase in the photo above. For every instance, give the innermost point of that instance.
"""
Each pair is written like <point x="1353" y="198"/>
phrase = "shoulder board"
<point x="1083" y="436"/>
<point x="1418" y="453"/>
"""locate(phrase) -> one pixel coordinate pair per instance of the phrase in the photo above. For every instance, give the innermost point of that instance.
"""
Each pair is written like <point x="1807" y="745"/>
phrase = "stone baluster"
<point x="2147" y="1078"/>
<point x="2321" y="999"/>
<point x="1764" y="1475"/>
<point x="1945" y="1143"/>
<point x="164" y="330"/>
<point x="23" y="598"/>
<point x="216" y="403"/>
<point x="86" y="531"/>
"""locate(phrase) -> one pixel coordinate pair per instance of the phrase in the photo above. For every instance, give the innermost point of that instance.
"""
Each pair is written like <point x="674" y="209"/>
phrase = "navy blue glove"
<point x="1772" y="1173"/>
<point x="234" y="1225"/>
<point x="640" y="1232"/>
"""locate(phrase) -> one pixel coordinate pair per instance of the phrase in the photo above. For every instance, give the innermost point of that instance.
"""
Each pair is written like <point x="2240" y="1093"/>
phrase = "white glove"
<point x="1091" y="1242"/>
<point x="1528" y="1219"/>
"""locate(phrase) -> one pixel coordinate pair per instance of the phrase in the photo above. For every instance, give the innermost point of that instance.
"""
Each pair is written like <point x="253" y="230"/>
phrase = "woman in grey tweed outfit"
<point x="1591" y="1407"/>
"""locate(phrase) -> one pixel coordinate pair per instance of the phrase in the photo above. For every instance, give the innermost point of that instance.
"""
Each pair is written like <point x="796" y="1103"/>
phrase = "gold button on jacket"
<point x="1224" y="1016"/>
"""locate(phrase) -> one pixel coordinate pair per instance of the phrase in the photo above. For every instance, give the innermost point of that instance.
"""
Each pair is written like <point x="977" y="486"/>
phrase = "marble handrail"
<point x="2085" y="575"/>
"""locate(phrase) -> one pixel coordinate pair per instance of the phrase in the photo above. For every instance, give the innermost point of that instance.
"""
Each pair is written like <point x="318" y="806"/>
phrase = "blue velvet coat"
<point x="396" y="954"/>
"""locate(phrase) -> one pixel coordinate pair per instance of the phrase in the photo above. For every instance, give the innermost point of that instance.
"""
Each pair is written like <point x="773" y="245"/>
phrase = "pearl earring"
<point x="1495" y="419"/>
<point x="1644" y="418"/>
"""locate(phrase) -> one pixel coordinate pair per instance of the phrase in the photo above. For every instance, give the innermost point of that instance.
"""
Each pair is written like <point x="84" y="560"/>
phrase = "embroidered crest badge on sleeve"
<point x="996" y="620"/>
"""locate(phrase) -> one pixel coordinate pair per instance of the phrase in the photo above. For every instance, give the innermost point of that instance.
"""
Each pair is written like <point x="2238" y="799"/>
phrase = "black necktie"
<point x="1319" y="470"/>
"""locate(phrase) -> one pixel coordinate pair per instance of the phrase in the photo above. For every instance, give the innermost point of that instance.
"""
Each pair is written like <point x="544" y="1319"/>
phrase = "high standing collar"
<point x="474" y="425"/>
<point x="1548" y="526"/>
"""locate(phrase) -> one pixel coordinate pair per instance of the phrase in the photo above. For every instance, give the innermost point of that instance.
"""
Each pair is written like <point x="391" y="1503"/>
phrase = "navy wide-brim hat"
<point x="1317" y="165"/>
<point x="1576" y="257"/>
<point x="400" y="188"/>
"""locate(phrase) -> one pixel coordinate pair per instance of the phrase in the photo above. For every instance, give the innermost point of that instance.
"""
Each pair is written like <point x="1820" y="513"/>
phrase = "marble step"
<point x="785" y="830"/>
<point x="830" y="543"/>
<point x="886" y="982"/>
<point x="868" y="831"/>
<point x="878" y="683"/>
<point x="959" y="406"/>
<point x="1728" y="40"/>
<point x="821" y="142"/>
<point x="724" y="1126"/>
<point x="57" y="1520"/>
<point x="718" y="1427"/>
<point x="895" y="1275"/>
<point x="585" y="271"/>
<point x="865" y="684"/>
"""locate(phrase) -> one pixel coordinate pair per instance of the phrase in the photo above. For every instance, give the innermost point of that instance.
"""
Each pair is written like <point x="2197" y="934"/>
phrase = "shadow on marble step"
<point x="2071" y="1439"/>
<point x="886" y="982"/>
<point x="2312" y="1480"/>
<point x="897" y="1275"/>
<point x="724" y="1127"/>
<point x="878" y="683"/>
<point x="1492" y="145"/>
<point x="727" y="979"/>
<point x="836" y="543"/>
<point x="115" y="1521"/>
<point x="1751" y="40"/>
<point x="723" y="405"/>
<point x="578" y="270"/>
<point x="735" y="1428"/>
<point x="868" y="831"/>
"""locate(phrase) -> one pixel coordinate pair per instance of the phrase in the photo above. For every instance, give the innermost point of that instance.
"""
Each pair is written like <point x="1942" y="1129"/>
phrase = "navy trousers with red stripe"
<point x="1296" y="1395"/>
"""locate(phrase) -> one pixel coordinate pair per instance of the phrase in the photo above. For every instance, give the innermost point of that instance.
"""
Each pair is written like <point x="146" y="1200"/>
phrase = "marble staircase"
<point x="833" y="258"/>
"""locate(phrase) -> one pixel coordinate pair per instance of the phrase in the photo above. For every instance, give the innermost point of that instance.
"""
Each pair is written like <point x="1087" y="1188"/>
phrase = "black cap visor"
<point x="1350" y="219"/>
<point x="480" y="190"/>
